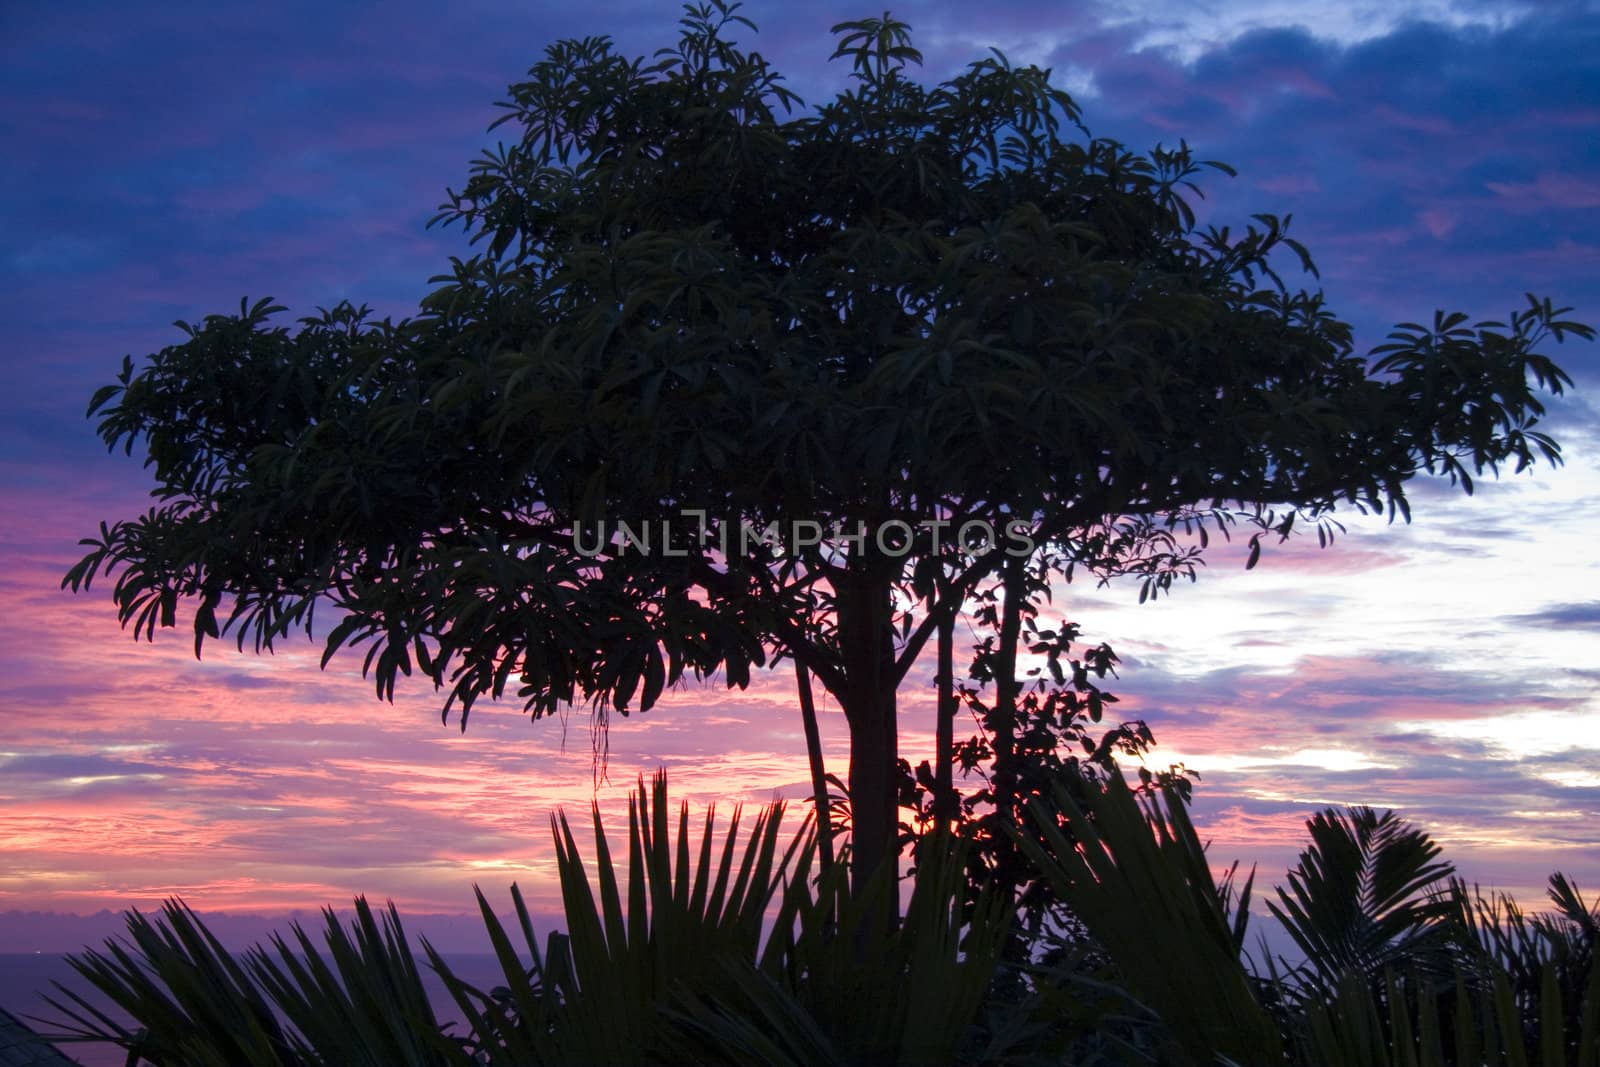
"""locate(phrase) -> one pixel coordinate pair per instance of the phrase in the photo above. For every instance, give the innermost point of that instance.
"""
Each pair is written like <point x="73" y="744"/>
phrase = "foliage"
<point x="849" y="990"/>
<point x="1137" y="876"/>
<point x="1413" y="1023"/>
<point x="1373" y="991"/>
<point x="596" y="993"/>
<point x="1530" y="954"/>
<point x="709" y="954"/>
<point x="670" y="971"/>
<point x="1032" y="737"/>
<point x="736" y="951"/>
<point x="197" y="1005"/>
<point x="919" y="305"/>
<point x="1357" y="900"/>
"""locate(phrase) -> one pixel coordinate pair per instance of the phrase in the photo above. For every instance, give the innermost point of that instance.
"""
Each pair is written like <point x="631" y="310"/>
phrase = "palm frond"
<point x="1358" y="899"/>
<point x="194" y="1002"/>
<point x="670" y="918"/>
<point x="1139" y="880"/>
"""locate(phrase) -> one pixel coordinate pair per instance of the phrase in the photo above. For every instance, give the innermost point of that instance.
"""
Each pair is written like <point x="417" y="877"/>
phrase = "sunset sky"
<point x="163" y="161"/>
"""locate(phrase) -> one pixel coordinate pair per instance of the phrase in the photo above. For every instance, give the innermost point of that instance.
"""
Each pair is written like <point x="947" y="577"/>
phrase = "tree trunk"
<point x="866" y="638"/>
<point x="944" y="791"/>
<point x="1004" y="718"/>
<point x="819" y="771"/>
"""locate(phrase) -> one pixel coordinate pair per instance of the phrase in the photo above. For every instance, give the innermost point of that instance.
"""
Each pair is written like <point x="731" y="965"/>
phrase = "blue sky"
<point x="162" y="164"/>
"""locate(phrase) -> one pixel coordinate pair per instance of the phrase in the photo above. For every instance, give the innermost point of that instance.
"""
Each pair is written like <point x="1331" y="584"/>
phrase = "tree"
<point x="900" y="328"/>
<point x="1048" y="733"/>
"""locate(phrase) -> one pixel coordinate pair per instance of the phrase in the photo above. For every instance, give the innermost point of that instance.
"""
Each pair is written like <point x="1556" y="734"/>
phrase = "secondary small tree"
<point x="908" y="312"/>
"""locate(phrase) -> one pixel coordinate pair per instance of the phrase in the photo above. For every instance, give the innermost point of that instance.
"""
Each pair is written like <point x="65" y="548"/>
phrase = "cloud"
<point x="1412" y="159"/>
<point x="1548" y="190"/>
<point x="1584" y="616"/>
<point x="1190" y="33"/>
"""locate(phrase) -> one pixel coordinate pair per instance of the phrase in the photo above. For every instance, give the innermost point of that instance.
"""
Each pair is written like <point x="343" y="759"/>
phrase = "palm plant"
<point x="1381" y="987"/>
<point x="366" y="1006"/>
<point x="720" y="953"/>
<point x="198" y="1005"/>
<point x="840" y="987"/>
<point x="1530" y="953"/>
<point x="1410" y="1022"/>
<point x="730" y="951"/>
<point x="671" y="965"/>
<point x="1137" y="876"/>
<point x="1359" y="899"/>
<point x="598" y="993"/>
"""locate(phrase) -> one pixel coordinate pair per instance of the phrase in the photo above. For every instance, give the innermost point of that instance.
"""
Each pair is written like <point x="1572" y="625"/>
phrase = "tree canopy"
<point x="698" y="302"/>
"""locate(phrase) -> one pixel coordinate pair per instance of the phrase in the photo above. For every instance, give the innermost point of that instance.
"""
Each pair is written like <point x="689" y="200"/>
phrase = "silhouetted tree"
<point x="909" y="311"/>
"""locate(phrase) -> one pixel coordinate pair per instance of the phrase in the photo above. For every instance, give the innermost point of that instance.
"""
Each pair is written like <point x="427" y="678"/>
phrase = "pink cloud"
<point x="1435" y="125"/>
<point x="1290" y="185"/>
<point x="1549" y="190"/>
<point x="1439" y="223"/>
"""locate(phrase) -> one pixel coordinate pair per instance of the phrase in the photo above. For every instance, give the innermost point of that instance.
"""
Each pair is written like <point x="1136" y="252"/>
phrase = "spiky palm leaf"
<point x="1359" y="898"/>
<point x="1139" y="880"/>
<point x="1412" y="1022"/>
<point x="1499" y="939"/>
<point x="596" y="994"/>
<point x="198" y="1005"/>
<point x="194" y="1003"/>
<point x="838" y="987"/>
<point x="363" y="1006"/>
